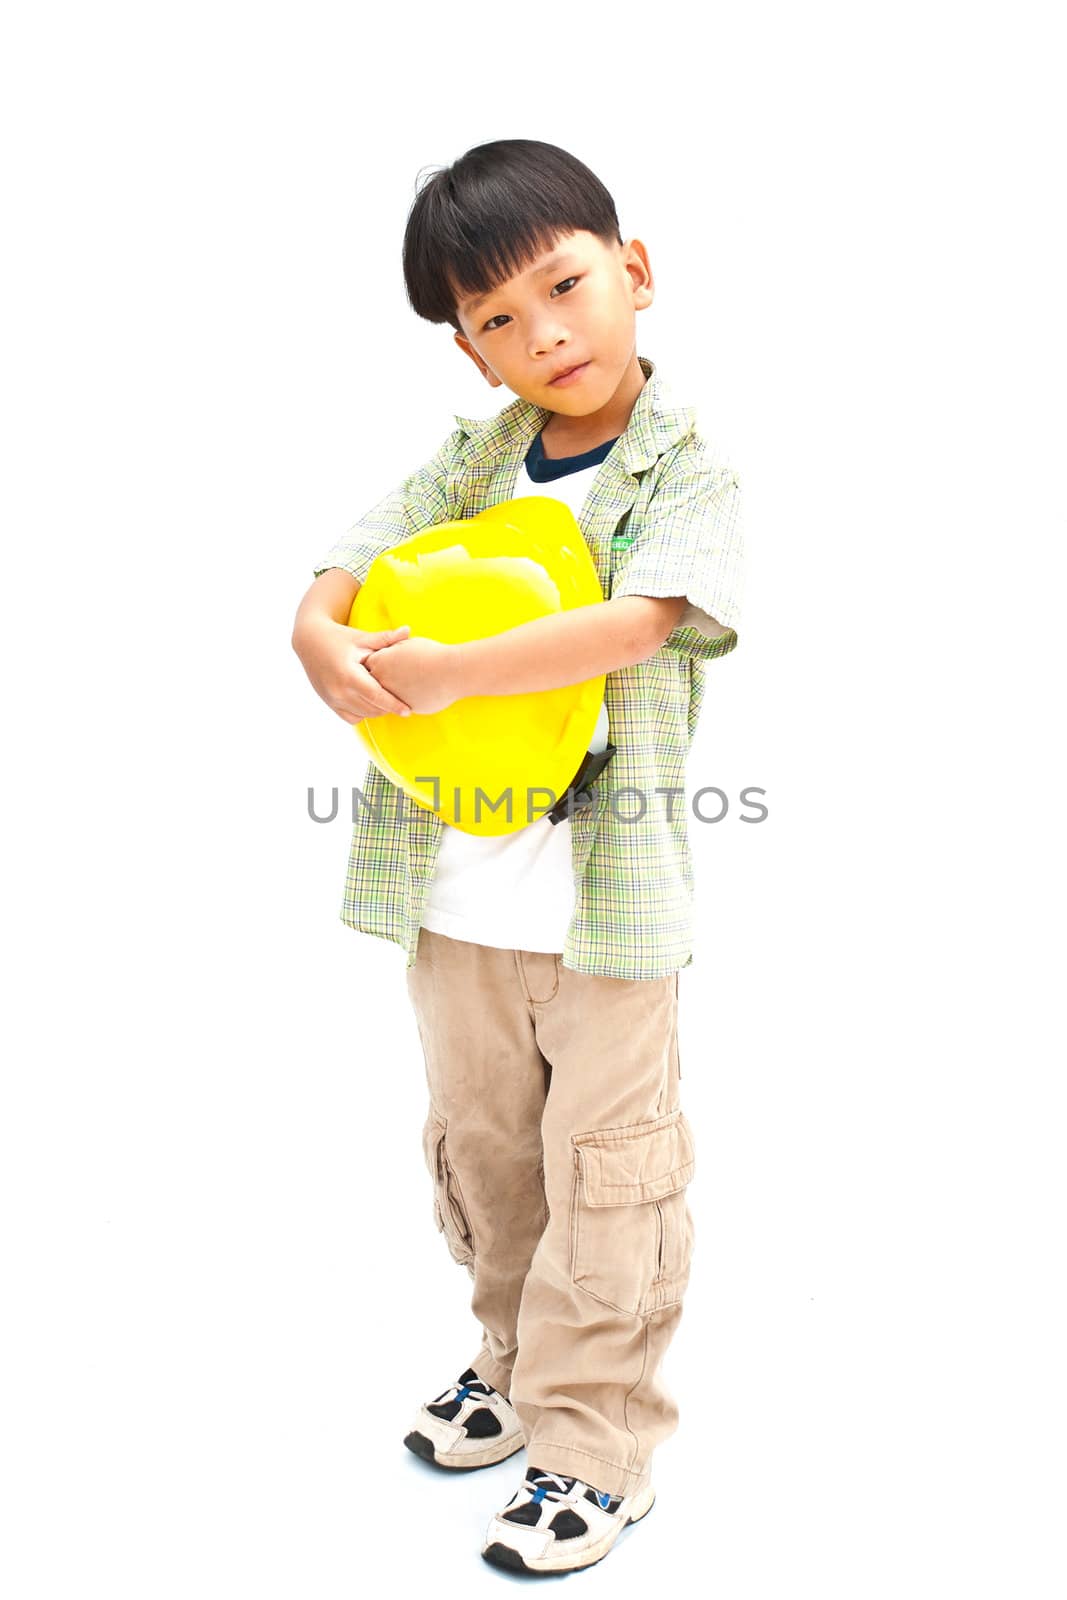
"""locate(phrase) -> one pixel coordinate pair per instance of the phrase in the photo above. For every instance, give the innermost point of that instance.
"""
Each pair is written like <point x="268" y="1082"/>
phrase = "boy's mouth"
<point x="569" y="376"/>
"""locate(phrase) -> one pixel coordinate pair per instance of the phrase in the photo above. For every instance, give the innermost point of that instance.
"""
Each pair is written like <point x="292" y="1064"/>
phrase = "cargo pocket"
<point x="450" y="1213"/>
<point x="631" y="1229"/>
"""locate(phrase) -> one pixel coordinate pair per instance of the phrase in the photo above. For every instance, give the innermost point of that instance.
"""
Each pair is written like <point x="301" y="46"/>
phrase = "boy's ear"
<point x="635" y="261"/>
<point x="468" y="349"/>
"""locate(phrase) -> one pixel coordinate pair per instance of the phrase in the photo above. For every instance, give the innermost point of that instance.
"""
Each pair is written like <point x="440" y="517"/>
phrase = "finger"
<point x="395" y="707"/>
<point x="384" y="704"/>
<point x="378" y="700"/>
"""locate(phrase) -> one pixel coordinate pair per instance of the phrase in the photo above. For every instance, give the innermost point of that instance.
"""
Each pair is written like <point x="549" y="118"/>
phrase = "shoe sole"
<point x="469" y="1462"/>
<point x="502" y="1555"/>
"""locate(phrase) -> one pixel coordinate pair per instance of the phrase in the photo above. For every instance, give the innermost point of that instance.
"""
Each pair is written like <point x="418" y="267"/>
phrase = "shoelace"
<point x="542" y="1485"/>
<point x="460" y="1391"/>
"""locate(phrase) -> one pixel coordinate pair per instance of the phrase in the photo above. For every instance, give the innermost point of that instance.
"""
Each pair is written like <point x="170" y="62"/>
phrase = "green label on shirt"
<point x="621" y="541"/>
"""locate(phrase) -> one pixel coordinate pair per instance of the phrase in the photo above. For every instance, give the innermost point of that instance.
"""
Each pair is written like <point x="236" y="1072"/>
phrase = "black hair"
<point x="490" y="214"/>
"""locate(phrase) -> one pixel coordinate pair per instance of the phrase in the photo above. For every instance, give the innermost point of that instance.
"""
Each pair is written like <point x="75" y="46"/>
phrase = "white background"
<point x="225" y="1297"/>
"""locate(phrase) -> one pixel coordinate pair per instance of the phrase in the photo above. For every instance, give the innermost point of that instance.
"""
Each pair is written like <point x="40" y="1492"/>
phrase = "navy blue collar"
<point x="542" y="469"/>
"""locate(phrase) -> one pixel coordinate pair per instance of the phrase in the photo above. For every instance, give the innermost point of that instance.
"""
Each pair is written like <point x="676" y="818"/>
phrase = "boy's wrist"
<point x="460" y="675"/>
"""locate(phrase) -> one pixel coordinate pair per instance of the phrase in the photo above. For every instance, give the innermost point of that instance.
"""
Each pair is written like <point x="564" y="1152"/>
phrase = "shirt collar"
<point x="655" y="424"/>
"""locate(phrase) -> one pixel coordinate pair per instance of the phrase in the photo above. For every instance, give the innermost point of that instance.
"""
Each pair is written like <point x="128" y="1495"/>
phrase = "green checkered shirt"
<point x="661" y="518"/>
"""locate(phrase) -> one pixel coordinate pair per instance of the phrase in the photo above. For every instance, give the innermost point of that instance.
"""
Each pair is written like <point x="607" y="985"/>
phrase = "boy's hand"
<point x="422" y="671"/>
<point x="334" y="657"/>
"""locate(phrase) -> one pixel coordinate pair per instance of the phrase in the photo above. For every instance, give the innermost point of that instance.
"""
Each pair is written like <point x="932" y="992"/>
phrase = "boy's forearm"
<point x="329" y="599"/>
<point x="569" y="647"/>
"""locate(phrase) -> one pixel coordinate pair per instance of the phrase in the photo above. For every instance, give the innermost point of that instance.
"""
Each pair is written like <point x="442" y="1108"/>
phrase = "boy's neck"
<point x="572" y="436"/>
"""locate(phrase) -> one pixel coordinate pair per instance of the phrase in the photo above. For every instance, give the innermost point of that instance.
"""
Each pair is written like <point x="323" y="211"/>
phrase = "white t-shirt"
<point x="515" y="890"/>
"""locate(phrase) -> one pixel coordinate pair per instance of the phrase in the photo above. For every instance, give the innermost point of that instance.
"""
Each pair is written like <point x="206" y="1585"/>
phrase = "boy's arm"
<point x="546" y="653"/>
<point x="333" y="655"/>
<point x="570" y="647"/>
<point x="329" y="597"/>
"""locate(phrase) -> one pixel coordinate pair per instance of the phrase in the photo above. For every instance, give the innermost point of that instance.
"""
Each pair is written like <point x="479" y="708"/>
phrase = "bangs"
<point x="491" y="215"/>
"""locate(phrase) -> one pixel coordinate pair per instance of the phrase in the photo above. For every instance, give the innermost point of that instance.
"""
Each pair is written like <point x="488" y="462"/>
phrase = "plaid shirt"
<point x="661" y="518"/>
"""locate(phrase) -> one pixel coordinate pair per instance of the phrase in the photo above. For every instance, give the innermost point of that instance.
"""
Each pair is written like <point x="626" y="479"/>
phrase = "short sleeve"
<point x="691" y="543"/>
<point x="420" y="501"/>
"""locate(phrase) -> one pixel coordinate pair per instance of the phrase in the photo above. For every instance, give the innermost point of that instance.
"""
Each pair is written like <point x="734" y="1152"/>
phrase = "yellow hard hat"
<point x="516" y="561"/>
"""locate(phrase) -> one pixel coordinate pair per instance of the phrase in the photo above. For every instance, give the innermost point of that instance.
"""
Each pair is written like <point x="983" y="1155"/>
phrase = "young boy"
<point x="543" y="965"/>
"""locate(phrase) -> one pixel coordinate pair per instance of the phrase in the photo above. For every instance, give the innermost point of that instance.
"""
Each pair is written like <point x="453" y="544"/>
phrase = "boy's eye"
<point x="489" y="325"/>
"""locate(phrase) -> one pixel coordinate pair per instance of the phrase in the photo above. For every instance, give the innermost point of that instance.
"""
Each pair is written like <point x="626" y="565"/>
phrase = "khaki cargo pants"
<point x="560" y="1156"/>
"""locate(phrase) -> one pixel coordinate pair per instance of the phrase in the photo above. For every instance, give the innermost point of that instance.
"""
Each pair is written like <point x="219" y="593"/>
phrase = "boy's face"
<point x="577" y="303"/>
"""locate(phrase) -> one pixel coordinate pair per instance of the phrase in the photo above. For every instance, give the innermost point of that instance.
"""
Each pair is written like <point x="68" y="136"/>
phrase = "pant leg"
<point x="482" y="1138"/>
<point x="603" y="1294"/>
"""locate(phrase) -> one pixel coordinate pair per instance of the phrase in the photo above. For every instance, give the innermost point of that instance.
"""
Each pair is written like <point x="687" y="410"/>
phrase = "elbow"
<point x="654" y="624"/>
<point x="639" y="626"/>
<point x="646" y="645"/>
<point x="645" y="648"/>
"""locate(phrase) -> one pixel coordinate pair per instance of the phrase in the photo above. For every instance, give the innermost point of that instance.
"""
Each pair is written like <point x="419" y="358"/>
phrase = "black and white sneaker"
<point x="470" y="1425"/>
<point x="555" y="1523"/>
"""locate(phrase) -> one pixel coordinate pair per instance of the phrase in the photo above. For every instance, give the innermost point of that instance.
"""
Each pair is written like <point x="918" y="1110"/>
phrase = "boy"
<point x="543" y="965"/>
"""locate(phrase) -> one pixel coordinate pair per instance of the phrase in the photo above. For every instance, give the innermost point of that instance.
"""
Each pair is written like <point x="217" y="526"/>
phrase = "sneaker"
<point x="470" y="1425"/>
<point x="555" y="1523"/>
